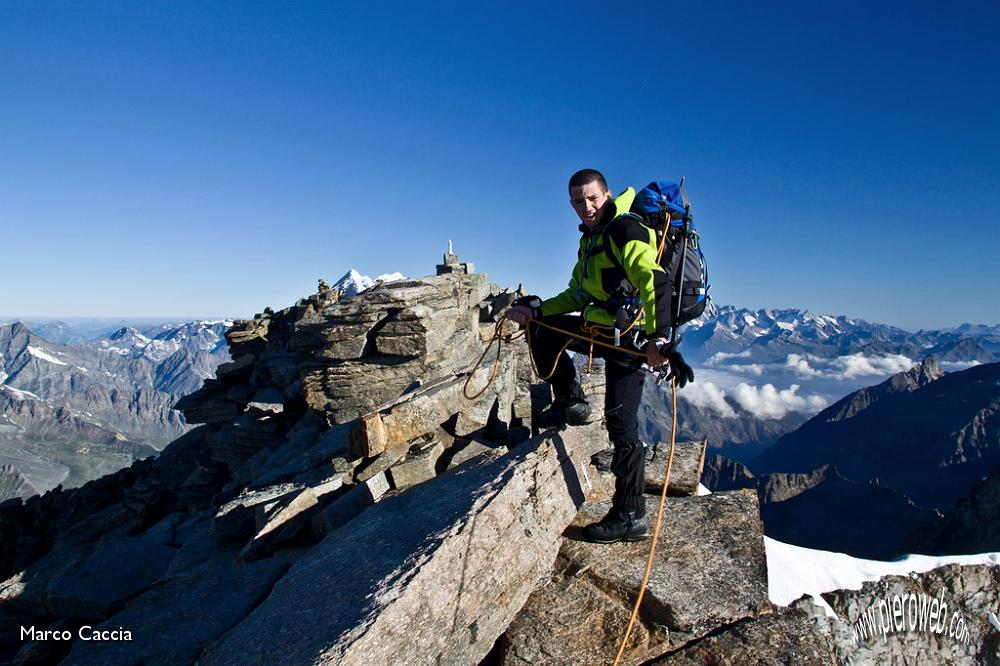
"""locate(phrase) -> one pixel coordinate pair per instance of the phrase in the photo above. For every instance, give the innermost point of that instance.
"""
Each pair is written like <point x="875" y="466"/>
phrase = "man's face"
<point x="588" y="201"/>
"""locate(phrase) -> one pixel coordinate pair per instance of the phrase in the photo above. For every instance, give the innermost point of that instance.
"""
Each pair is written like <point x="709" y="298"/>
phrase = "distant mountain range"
<point x="930" y="435"/>
<point x="767" y="336"/>
<point x="762" y="373"/>
<point x="73" y="412"/>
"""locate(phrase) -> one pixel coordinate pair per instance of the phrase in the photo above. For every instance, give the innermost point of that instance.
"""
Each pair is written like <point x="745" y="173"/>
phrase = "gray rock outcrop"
<point x="945" y="616"/>
<point x="328" y="409"/>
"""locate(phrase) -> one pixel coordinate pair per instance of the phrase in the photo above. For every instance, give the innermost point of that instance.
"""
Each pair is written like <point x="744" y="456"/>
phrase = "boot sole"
<point x="632" y="538"/>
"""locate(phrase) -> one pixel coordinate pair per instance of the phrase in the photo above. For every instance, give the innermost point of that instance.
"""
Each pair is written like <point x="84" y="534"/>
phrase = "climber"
<point x="614" y="252"/>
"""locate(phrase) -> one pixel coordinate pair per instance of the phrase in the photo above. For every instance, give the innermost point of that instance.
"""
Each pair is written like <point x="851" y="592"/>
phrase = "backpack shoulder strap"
<point x="621" y="231"/>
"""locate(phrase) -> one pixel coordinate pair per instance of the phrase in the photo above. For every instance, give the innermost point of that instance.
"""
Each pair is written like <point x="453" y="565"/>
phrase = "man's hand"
<point x="521" y="314"/>
<point x="679" y="369"/>
<point x="525" y="309"/>
<point x="654" y="357"/>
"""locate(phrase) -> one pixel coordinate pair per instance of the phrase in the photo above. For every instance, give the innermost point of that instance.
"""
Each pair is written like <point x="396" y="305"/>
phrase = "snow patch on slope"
<point x="44" y="355"/>
<point x="793" y="571"/>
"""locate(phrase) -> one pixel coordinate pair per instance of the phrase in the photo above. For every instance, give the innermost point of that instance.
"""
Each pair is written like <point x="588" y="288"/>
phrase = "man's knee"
<point x="620" y="427"/>
<point x="626" y="447"/>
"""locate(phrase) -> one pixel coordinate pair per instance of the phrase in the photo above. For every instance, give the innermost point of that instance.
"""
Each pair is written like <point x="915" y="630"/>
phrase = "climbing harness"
<point x="656" y="529"/>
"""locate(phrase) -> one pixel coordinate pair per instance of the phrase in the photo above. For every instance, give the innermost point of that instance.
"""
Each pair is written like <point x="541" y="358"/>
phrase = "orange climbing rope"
<point x="656" y="529"/>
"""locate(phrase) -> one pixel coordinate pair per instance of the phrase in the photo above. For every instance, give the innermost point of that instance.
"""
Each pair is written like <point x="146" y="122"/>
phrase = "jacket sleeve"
<point x="638" y="259"/>
<point x="569" y="299"/>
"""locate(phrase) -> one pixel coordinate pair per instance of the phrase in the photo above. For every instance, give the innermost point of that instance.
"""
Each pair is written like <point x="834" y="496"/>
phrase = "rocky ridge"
<point x="353" y="495"/>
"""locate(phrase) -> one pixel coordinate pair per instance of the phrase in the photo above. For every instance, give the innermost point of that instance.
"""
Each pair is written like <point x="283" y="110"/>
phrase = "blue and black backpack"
<point x="664" y="208"/>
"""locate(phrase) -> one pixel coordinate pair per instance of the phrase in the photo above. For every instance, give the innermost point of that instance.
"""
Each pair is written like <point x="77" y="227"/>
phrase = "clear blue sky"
<point x="210" y="159"/>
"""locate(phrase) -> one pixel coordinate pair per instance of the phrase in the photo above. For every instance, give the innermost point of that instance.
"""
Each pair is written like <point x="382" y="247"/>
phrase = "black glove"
<point x="679" y="370"/>
<point x="533" y="302"/>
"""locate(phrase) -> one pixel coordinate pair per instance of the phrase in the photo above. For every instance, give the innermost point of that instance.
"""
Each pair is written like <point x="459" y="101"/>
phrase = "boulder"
<point x="350" y="504"/>
<point x="208" y="406"/>
<point x="473" y="449"/>
<point x="268" y="401"/>
<point x="382" y="462"/>
<point x="787" y="636"/>
<point x="283" y="521"/>
<point x="871" y="629"/>
<point x="418" y="466"/>
<point x="236" y="520"/>
<point x="685" y="474"/>
<point x="571" y="621"/>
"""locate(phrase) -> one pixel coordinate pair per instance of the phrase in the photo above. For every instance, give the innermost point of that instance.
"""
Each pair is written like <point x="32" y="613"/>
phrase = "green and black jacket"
<point x="619" y="247"/>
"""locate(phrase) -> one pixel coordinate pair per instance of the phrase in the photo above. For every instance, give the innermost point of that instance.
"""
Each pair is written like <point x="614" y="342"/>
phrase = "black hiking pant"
<point x="625" y="378"/>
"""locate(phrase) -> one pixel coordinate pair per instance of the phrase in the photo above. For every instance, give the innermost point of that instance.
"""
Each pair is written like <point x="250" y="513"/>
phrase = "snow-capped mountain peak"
<point x="353" y="283"/>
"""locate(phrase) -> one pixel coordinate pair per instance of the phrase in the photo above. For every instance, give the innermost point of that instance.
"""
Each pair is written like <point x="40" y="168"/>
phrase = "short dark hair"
<point x="585" y="176"/>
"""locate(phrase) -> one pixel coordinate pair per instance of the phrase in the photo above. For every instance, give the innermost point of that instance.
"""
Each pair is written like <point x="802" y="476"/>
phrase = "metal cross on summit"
<point x="452" y="264"/>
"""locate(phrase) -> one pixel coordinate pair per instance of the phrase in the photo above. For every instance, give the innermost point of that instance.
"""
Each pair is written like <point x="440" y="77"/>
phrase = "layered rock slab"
<point x="435" y="574"/>
<point x="788" y="636"/>
<point x="570" y="621"/>
<point x="87" y="583"/>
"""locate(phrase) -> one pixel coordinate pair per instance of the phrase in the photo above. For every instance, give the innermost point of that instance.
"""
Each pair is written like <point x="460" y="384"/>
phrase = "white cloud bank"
<point x="850" y="366"/>
<point x="764" y="402"/>
<point x="719" y="357"/>
<point x="767" y="402"/>
<point x="708" y="396"/>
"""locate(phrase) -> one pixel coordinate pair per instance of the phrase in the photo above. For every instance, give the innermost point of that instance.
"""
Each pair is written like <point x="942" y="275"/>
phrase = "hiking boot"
<point x="602" y="460"/>
<point x="572" y="412"/>
<point x="617" y="527"/>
